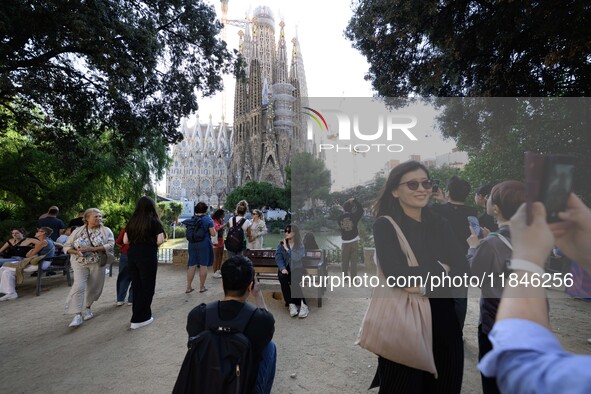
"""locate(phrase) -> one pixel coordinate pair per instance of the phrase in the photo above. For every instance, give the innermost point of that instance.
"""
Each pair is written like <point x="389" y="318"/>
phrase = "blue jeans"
<point x="4" y="260"/>
<point x="266" y="374"/>
<point x="123" y="280"/>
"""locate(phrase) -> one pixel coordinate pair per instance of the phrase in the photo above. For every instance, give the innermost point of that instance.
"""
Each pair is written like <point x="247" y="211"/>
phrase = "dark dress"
<point x="142" y="261"/>
<point x="431" y="240"/>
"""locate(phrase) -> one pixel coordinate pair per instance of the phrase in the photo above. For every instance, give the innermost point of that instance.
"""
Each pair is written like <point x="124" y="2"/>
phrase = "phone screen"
<point x="556" y="187"/>
<point x="475" y="225"/>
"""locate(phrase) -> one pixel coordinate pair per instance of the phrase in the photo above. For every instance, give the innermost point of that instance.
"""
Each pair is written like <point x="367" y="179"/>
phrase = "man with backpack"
<point x="238" y="225"/>
<point x="244" y="332"/>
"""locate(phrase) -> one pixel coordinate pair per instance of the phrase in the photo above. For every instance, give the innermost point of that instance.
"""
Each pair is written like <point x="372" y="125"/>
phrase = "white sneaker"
<point x="8" y="297"/>
<point x="135" y="326"/>
<point x="303" y="311"/>
<point x="293" y="310"/>
<point x="129" y="303"/>
<point x="217" y="274"/>
<point x="87" y="314"/>
<point x="120" y="303"/>
<point x="76" y="321"/>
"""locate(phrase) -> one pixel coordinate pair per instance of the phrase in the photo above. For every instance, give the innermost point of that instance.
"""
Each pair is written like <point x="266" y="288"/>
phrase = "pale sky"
<point x="333" y="69"/>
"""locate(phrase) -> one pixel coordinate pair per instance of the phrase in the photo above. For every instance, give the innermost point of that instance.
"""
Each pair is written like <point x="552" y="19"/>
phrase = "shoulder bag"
<point x="105" y="257"/>
<point x="397" y="324"/>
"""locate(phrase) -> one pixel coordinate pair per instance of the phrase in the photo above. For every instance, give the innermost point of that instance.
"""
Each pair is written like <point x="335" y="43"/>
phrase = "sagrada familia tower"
<point x="267" y="129"/>
<point x="267" y="105"/>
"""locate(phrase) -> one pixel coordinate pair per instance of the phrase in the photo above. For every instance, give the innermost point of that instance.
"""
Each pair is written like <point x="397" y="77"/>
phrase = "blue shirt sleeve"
<point x="527" y="358"/>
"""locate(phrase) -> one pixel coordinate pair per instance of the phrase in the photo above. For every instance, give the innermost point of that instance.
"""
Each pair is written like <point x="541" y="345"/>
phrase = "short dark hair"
<point x="484" y="190"/>
<point x="237" y="275"/>
<point x="508" y="196"/>
<point x="348" y="206"/>
<point x="201" y="207"/>
<point x="458" y="188"/>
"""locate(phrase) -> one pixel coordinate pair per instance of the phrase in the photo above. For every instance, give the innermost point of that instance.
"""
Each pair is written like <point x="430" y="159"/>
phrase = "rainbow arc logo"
<point x="317" y="116"/>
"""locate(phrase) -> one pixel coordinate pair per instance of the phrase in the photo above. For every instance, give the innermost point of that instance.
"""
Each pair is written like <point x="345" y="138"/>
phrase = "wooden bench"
<point x="265" y="266"/>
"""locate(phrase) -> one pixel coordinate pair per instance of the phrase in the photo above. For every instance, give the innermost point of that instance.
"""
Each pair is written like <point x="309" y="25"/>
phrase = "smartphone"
<point x="475" y="225"/>
<point x="435" y="183"/>
<point x="548" y="179"/>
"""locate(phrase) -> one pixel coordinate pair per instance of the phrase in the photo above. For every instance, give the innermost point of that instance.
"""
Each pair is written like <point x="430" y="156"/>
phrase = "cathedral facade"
<point x="267" y="104"/>
<point x="200" y="162"/>
<point x="212" y="160"/>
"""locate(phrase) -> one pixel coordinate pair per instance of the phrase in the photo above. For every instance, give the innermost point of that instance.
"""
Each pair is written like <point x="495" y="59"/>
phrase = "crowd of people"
<point x="516" y="349"/>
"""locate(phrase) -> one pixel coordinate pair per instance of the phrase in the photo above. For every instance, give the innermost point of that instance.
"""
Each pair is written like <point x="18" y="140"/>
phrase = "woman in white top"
<point x="258" y="228"/>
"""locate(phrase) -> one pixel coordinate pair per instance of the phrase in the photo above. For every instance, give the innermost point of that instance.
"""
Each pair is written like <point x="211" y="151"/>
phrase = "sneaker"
<point x="88" y="314"/>
<point x="217" y="274"/>
<point x="293" y="310"/>
<point x="8" y="297"/>
<point x="135" y="326"/>
<point x="119" y="303"/>
<point x="303" y="311"/>
<point x="129" y="303"/>
<point x="76" y="321"/>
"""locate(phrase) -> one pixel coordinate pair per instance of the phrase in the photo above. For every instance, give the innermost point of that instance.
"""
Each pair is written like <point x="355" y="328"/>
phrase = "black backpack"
<point x="235" y="239"/>
<point x="219" y="359"/>
<point x="196" y="231"/>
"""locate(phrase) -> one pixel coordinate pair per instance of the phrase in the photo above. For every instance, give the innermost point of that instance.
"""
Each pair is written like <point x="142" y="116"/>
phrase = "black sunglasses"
<point x="414" y="185"/>
<point x="287" y="230"/>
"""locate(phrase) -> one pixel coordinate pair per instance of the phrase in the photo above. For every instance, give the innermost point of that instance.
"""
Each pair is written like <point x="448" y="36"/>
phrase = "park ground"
<point x="39" y="353"/>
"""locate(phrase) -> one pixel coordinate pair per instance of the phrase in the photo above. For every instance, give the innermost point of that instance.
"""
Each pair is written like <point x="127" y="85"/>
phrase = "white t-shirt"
<point x="247" y="223"/>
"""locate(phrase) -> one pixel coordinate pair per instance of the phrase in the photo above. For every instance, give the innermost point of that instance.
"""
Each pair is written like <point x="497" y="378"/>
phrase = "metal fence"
<point x="164" y="255"/>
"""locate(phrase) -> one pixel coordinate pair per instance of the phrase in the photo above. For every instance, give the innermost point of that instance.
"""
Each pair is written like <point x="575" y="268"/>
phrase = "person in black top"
<point x="50" y="220"/>
<point x="349" y="235"/>
<point x="77" y="221"/>
<point x="144" y="233"/>
<point x="456" y="212"/>
<point x="239" y="282"/>
<point x="480" y="197"/>
<point x="404" y="198"/>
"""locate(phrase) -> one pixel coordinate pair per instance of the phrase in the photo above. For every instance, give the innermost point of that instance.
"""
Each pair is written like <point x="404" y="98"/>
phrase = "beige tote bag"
<point x="397" y="324"/>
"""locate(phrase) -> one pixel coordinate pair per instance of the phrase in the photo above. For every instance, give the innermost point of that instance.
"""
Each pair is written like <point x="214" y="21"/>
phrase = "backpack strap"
<point x="238" y="324"/>
<point x="503" y="239"/>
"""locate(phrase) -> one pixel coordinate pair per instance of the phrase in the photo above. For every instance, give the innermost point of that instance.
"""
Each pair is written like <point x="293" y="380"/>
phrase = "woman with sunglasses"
<point x="257" y="229"/>
<point x="17" y="247"/>
<point x="288" y="256"/>
<point x="404" y="198"/>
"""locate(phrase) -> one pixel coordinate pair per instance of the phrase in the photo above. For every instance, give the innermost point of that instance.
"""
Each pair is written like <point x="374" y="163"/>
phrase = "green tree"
<point x="474" y="48"/>
<point x="91" y="94"/>
<point x="310" y="179"/>
<point x="258" y="195"/>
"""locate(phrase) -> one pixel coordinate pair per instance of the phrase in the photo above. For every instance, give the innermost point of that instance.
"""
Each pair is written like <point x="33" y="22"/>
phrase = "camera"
<point x="435" y="183"/>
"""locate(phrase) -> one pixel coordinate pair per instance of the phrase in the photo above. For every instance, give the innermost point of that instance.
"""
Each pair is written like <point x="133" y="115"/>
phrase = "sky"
<point x="333" y="69"/>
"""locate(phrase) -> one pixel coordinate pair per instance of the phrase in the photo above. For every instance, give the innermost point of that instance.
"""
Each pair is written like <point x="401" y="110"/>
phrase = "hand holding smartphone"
<point x="475" y="226"/>
<point x="548" y="179"/>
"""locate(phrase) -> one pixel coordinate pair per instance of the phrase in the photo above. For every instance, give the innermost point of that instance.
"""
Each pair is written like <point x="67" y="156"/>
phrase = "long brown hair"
<point x="142" y="220"/>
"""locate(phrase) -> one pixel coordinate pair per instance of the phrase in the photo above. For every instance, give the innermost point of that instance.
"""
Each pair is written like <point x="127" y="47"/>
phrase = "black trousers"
<point x="489" y="385"/>
<point x="143" y="266"/>
<point x="287" y="285"/>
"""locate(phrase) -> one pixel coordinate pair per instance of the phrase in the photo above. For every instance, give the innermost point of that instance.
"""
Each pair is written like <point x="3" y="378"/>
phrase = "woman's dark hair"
<point x="142" y="220"/>
<point x="241" y="207"/>
<point x="201" y="207"/>
<point x="237" y="275"/>
<point x="508" y="197"/>
<point x="218" y="214"/>
<point x="386" y="203"/>
<point x="20" y="230"/>
<point x="310" y="241"/>
<point x="484" y="190"/>
<point x="297" y="236"/>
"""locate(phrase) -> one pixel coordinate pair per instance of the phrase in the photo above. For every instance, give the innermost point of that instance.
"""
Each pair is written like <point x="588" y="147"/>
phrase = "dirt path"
<point x="39" y="353"/>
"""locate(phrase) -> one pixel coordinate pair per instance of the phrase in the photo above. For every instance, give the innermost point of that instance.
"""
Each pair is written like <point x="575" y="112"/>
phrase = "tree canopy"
<point x="474" y="48"/>
<point x="91" y="93"/>
<point x="258" y="195"/>
<point x="308" y="179"/>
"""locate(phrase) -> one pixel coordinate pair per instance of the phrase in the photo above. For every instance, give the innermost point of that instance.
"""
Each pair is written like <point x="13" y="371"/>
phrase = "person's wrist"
<point x="535" y="258"/>
<point x="523" y="265"/>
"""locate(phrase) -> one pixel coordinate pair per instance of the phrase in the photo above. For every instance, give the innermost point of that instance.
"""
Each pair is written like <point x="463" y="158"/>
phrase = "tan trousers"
<point x="349" y="256"/>
<point x="87" y="288"/>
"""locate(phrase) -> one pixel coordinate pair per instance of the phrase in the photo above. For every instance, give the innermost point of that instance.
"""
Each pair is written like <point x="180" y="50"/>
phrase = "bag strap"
<point x="404" y="245"/>
<point x="238" y="324"/>
<point x="504" y="239"/>
<point x="89" y="239"/>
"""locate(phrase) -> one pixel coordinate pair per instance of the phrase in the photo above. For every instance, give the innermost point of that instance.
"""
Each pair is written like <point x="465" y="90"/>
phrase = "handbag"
<point x="397" y="324"/>
<point x="214" y="239"/>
